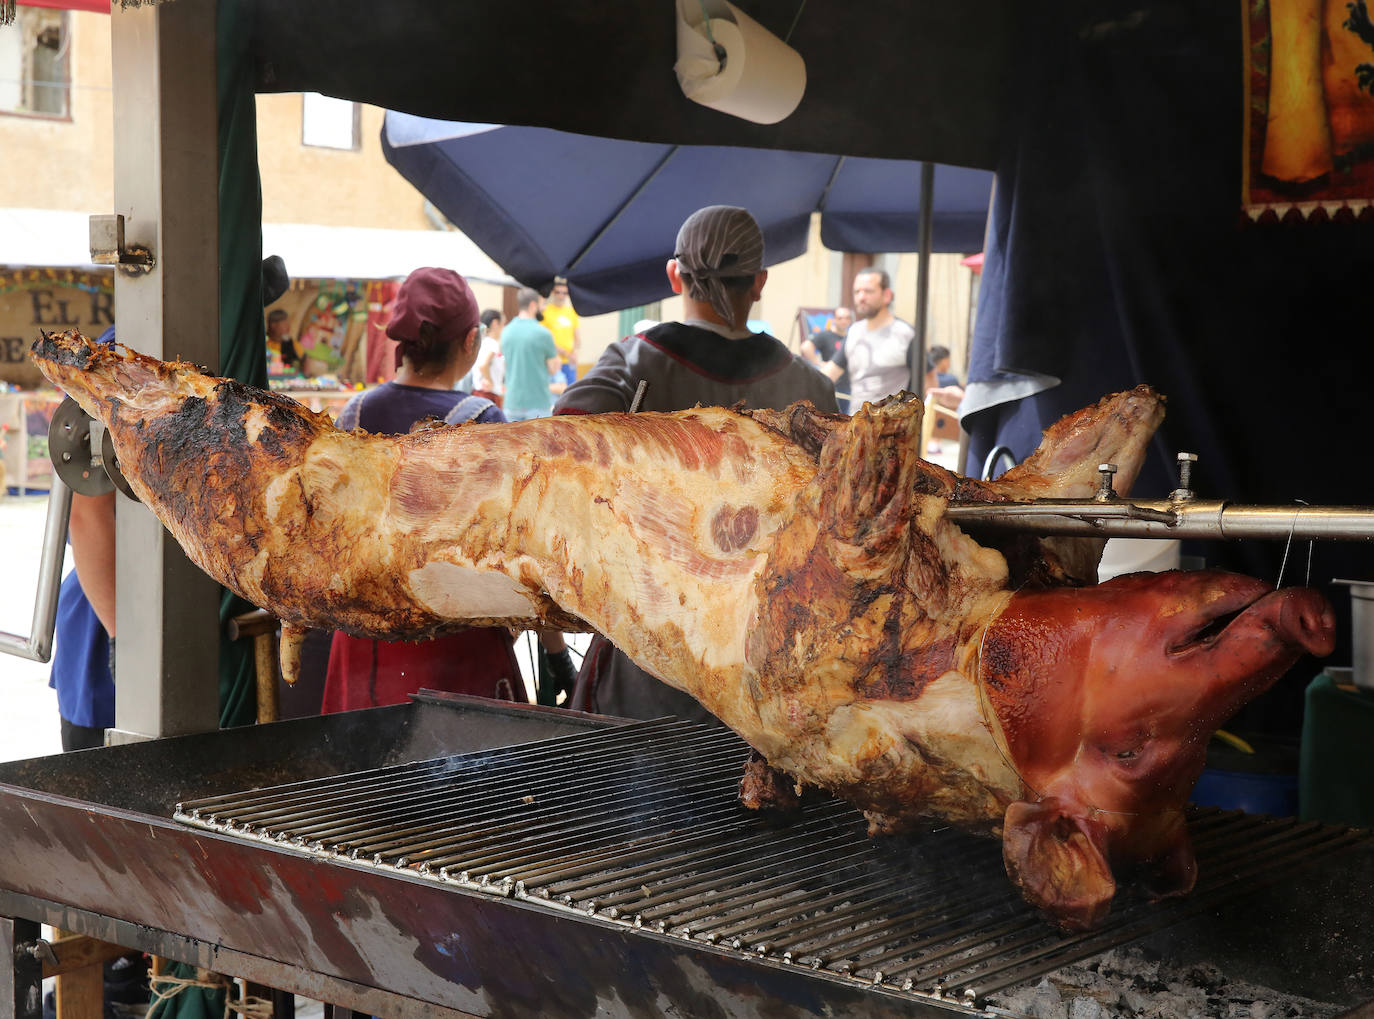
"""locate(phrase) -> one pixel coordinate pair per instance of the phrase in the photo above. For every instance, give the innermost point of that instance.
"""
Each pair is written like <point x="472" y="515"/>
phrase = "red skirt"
<point x="374" y="673"/>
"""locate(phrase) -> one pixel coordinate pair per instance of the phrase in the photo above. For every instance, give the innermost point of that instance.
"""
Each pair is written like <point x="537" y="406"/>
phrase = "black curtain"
<point x="1118" y="253"/>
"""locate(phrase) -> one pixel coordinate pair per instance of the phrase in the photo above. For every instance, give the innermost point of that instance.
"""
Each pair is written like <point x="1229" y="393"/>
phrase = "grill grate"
<point x="640" y="825"/>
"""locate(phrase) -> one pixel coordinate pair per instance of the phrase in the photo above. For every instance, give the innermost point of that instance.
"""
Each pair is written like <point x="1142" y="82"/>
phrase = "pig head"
<point x="1106" y="698"/>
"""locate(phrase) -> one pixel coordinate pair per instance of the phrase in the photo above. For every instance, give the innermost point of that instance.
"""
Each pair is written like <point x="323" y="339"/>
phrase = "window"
<point x="35" y="73"/>
<point x="329" y="123"/>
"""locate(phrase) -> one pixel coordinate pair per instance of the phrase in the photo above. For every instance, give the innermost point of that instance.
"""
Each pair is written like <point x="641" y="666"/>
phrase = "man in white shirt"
<point x="877" y="348"/>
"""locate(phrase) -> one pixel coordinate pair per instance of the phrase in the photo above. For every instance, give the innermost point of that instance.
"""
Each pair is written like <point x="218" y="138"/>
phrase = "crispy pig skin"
<point x="793" y="571"/>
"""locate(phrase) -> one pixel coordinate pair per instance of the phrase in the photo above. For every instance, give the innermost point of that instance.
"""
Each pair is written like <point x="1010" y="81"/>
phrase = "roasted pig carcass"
<point x="795" y="572"/>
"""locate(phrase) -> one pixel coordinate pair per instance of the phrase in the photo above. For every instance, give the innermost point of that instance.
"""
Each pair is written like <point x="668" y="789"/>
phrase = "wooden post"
<point x="262" y="626"/>
<point x="80" y="973"/>
<point x="165" y="186"/>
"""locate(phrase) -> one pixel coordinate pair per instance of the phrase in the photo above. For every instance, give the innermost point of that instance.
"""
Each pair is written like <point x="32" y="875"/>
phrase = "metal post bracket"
<point x="109" y="248"/>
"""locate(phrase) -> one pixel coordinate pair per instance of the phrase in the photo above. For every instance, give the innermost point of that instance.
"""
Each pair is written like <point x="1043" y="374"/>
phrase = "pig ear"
<point x="1057" y="857"/>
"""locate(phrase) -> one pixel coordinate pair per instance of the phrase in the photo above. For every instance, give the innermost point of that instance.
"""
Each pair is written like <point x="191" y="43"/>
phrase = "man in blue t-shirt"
<point x="531" y="357"/>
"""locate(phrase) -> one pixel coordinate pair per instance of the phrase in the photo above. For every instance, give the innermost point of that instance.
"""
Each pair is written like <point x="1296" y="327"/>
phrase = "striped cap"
<point x="718" y="241"/>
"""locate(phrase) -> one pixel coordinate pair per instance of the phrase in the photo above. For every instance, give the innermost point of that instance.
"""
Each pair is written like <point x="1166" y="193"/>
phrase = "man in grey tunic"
<point x="877" y="350"/>
<point x="711" y="358"/>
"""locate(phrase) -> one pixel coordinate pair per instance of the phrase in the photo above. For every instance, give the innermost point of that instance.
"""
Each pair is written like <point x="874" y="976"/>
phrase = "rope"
<point x="176" y="985"/>
<point x="165" y="987"/>
<point x="797" y="18"/>
<point x="249" y="1008"/>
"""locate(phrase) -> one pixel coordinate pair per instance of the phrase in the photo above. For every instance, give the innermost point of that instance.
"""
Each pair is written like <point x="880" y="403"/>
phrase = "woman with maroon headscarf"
<point x="435" y="325"/>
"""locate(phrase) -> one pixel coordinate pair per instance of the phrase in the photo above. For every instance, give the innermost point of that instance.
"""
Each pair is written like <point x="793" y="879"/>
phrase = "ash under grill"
<point x="640" y="825"/>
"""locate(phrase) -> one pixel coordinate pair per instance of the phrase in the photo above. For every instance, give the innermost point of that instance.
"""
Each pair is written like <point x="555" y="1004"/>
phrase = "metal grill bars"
<point x="641" y="826"/>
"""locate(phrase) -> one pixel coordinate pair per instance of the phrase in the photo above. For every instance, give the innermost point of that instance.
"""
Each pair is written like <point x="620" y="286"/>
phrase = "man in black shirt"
<point x="824" y="345"/>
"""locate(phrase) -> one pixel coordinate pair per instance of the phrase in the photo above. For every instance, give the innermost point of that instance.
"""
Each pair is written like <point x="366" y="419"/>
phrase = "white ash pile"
<point x="1136" y="983"/>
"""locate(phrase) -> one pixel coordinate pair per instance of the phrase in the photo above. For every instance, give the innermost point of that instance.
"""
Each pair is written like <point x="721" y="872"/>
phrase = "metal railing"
<point x="37" y="646"/>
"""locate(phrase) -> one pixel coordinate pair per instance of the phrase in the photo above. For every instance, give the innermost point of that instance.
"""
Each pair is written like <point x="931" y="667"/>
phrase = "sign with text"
<point x="38" y="299"/>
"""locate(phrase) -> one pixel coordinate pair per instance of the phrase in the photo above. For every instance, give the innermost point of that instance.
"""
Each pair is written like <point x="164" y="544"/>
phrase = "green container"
<point x="1336" y="770"/>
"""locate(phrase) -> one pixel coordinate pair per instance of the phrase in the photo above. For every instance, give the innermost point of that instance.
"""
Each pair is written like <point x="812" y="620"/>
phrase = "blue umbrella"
<point x="603" y="212"/>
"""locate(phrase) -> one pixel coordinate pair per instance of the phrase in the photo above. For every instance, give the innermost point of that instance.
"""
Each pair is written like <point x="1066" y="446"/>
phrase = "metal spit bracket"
<point x="110" y="462"/>
<point x="83" y="461"/>
<point x="83" y="453"/>
<point x="72" y="444"/>
<point x="108" y="247"/>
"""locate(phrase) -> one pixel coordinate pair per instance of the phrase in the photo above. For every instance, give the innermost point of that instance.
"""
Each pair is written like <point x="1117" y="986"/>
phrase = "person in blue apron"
<point x="438" y="335"/>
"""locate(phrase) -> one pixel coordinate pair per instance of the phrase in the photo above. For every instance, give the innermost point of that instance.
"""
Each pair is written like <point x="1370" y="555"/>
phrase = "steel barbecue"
<point x="452" y="856"/>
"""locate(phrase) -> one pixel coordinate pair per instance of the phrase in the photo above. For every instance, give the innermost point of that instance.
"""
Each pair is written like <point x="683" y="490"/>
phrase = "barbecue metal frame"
<point x="382" y="943"/>
<point x="90" y="846"/>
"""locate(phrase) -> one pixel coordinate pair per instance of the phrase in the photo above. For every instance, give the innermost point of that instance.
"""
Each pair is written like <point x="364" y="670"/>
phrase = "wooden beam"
<point x="76" y="951"/>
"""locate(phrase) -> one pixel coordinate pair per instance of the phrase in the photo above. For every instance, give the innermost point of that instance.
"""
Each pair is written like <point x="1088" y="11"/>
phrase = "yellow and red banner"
<point x="1309" y="124"/>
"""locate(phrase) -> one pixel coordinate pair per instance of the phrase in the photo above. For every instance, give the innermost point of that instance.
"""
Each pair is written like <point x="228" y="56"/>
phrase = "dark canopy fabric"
<point x="242" y="330"/>
<point x="1118" y="254"/>
<point x="889" y="78"/>
<point x="604" y="212"/>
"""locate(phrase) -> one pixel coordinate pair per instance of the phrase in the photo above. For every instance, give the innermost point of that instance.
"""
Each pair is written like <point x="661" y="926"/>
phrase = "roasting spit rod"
<point x="1182" y="515"/>
<point x="1162" y="518"/>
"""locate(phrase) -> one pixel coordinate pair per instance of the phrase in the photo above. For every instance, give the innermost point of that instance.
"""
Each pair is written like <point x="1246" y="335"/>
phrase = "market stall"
<point x="344" y="920"/>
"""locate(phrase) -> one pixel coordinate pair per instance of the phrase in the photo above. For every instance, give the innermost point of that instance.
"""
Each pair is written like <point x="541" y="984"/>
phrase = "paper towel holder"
<point x="728" y="62"/>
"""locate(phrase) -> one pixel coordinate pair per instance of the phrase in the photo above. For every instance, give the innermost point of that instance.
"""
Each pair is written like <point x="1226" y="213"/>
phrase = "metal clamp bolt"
<point x="41" y="950"/>
<point x="1184" y="492"/>
<point x="1105" y="492"/>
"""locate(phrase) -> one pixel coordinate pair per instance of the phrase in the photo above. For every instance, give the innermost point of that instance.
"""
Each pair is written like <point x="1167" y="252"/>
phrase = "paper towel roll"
<point x="762" y="78"/>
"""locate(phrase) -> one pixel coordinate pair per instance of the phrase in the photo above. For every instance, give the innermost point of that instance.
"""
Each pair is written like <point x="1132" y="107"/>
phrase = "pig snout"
<point x="1303" y="617"/>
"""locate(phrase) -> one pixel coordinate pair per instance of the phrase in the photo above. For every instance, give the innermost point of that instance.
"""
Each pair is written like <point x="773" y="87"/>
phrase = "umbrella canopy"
<point x="603" y="212"/>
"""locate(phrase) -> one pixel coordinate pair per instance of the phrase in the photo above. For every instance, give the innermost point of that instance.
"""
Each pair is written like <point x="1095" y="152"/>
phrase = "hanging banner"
<point x="1309" y="111"/>
<point x="55" y="299"/>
